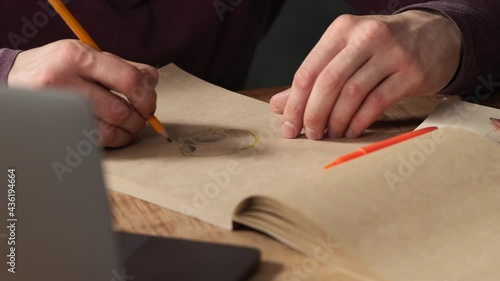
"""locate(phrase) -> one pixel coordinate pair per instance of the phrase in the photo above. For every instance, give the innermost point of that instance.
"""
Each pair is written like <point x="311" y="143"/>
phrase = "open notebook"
<point x="427" y="209"/>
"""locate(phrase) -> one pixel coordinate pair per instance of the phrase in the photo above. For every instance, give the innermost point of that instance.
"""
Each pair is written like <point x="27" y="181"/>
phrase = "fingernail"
<point x="349" y="133"/>
<point x="287" y="130"/>
<point x="311" y="134"/>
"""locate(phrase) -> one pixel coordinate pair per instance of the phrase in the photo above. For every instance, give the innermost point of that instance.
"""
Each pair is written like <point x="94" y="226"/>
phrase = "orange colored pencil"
<point x="80" y="32"/>
<point x="377" y="146"/>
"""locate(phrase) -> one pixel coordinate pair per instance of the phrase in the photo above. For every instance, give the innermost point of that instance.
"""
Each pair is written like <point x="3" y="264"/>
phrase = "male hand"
<point x="364" y="64"/>
<point x="74" y="65"/>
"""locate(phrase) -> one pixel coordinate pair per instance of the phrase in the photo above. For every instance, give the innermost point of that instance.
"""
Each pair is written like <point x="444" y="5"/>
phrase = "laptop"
<point x="54" y="218"/>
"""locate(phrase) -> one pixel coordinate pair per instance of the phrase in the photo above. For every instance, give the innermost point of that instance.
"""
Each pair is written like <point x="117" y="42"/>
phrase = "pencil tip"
<point x="165" y="135"/>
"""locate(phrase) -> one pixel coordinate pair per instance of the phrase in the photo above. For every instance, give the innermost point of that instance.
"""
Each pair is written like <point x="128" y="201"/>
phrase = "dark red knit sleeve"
<point x="7" y="58"/>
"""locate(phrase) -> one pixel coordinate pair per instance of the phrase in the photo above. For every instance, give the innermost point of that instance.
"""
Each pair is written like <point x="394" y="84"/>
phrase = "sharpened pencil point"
<point x="165" y="135"/>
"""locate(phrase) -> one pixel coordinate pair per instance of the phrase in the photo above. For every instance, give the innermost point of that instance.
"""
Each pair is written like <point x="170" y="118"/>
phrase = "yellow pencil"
<point x="75" y="26"/>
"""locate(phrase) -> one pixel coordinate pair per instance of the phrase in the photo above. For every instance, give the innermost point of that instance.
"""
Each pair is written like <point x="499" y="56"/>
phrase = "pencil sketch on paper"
<point x="215" y="142"/>
<point x="494" y="135"/>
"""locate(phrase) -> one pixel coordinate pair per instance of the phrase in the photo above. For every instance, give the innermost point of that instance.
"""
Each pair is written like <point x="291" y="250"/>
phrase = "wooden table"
<point x="279" y="262"/>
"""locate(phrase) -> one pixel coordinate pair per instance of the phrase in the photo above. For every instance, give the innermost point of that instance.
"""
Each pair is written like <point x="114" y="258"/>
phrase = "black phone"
<point x="156" y="258"/>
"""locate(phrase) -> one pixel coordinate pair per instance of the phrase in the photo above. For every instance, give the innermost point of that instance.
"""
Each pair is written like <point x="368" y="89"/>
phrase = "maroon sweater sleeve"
<point x="214" y="40"/>
<point x="7" y="58"/>
<point x="479" y="24"/>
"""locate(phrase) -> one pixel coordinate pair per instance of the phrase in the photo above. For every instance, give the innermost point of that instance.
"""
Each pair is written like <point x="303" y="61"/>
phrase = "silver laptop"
<point x="54" y="219"/>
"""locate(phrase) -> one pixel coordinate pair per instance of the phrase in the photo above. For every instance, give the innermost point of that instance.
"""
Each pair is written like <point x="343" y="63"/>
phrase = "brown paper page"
<point x="460" y="114"/>
<point x="226" y="147"/>
<point x="427" y="209"/>
<point x="436" y="218"/>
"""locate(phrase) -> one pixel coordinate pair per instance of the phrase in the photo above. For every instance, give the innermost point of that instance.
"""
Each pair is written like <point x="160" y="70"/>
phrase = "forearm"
<point x="478" y="22"/>
<point x="7" y="58"/>
<point x="479" y="25"/>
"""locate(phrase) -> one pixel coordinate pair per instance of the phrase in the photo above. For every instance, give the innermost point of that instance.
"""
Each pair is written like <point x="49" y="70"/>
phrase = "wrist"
<point x="452" y="38"/>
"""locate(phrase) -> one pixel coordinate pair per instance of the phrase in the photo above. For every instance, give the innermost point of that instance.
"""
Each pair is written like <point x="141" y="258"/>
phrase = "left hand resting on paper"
<point x="363" y="65"/>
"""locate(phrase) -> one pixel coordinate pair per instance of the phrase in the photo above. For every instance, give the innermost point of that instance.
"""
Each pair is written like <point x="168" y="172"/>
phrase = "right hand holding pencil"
<point x="74" y="65"/>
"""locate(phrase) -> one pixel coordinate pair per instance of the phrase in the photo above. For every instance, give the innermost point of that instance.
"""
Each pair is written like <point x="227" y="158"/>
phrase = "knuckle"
<point x="375" y="28"/>
<point x="77" y="53"/>
<point x="108" y="133"/>
<point x="113" y="136"/>
<point x="64" y="45"/>
<point x="115" y="119"/>
<point x="329" y="78"/>
<point x="144" y="101"/>
<point x="150" y="82"/>
<point x="155" y="74"/>
<point x="345" y="21"/>
<point x="312" y="120"/>
<point x="133" y="80"/>
<point x="293" y="109"/>
<point x="137" y="96"/>
<point x="119" y="112"/>
<point x="303" y="79"/>
<point x="48" y="79"/>
<point x="372" y="31"/>
<point x="352" y="89"/>
<point x="377" y="100"/>
<point x="359" y="123"/>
